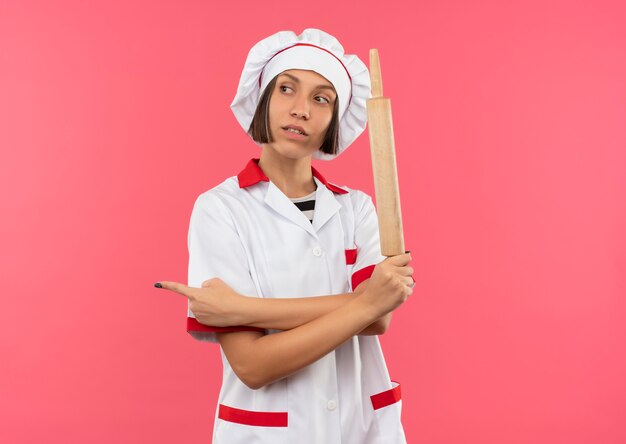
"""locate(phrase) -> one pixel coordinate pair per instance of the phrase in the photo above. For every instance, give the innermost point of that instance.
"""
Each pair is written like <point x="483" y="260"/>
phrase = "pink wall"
<point x="510" y="129"/>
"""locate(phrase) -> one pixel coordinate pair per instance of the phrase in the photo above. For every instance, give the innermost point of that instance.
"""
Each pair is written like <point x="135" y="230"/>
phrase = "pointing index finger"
<point x="175" y="287"/>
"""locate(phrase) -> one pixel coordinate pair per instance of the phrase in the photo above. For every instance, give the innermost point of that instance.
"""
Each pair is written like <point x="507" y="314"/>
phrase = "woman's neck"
<point x="292" y="176"/>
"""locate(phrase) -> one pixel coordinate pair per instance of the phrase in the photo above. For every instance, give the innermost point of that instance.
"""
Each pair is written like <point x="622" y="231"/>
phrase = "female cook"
<point x="286" y="266"/>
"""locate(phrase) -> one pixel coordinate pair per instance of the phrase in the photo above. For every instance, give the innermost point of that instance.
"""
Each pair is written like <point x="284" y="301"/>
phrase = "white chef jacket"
<point x="248" y="233"/>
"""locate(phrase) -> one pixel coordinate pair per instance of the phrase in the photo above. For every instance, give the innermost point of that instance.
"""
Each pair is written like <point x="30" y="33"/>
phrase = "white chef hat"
<point x="312" y="50"/>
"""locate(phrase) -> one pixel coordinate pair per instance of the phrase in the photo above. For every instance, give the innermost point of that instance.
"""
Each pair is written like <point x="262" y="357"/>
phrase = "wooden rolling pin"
<point x="384" y="164"/>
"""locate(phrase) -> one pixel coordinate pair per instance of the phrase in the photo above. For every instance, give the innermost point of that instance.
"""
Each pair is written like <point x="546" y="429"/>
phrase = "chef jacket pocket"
<point x="388" y="397"/>
<point x="252" y="418"/>
<point x="351" y="256"/>
<point x="387" y="407"/>
<point x="350" y="261"/>
<point x="238" y="426"/>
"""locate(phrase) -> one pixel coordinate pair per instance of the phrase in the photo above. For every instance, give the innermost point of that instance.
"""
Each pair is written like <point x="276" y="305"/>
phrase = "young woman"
<point x="285" y="270"/>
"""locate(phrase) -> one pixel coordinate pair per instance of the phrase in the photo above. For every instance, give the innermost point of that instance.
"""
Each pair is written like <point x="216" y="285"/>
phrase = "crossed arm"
<point x="312" y="327"/>
<point x="259" y="359"/>
<point x="226" y="308"/>
<point x="286" y="314"/>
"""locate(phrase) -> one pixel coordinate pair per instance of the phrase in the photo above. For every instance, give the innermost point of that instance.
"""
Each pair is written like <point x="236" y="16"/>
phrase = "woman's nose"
<point x="300" y="114"/>
<point x="300" y="109"/>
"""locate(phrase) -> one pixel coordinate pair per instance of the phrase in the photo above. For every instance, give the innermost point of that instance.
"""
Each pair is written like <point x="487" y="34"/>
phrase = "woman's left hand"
<point x="214" y="304"/>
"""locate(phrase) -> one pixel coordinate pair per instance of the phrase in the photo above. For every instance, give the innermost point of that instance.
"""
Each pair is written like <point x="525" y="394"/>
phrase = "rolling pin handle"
<point x="375" y="75"/>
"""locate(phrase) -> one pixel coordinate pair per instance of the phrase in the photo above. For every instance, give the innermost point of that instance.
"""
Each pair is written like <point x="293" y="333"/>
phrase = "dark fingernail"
<point x="408" y="251"/>
<point x="158" y="285"/>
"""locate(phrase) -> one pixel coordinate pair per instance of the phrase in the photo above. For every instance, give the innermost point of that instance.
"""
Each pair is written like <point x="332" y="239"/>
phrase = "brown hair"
<point x="260" y="128"/>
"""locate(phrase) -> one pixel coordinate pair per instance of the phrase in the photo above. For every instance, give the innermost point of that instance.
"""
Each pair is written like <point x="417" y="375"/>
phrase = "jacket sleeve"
<point x="216" y="250"/>
<point x="366" y="239"/>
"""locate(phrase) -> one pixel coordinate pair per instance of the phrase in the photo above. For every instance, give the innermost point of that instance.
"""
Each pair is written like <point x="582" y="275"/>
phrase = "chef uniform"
<point x="248" y="233"/>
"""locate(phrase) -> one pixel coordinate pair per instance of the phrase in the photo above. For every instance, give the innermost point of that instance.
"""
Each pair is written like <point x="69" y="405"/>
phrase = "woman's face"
<point x="301" y="108"/>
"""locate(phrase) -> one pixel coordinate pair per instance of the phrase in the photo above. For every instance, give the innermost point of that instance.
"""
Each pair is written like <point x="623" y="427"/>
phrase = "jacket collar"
<point x="253" y="174"/>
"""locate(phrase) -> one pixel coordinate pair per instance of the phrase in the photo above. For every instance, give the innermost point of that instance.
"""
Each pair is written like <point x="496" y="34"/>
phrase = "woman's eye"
<point x="322" y="99"/>
<point x="284" y="88"/>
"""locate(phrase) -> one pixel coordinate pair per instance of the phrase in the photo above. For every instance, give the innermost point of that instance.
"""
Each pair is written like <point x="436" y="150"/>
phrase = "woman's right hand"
<point x="214" y="304"/>
<point x="390" y="284"/>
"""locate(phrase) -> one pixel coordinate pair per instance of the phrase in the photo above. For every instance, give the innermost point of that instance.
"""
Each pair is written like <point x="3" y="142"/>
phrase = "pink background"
<point x="511" y="141"/>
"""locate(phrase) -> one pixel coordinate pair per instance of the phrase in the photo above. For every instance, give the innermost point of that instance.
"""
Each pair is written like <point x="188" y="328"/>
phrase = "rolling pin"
<point x="384" y="164"/>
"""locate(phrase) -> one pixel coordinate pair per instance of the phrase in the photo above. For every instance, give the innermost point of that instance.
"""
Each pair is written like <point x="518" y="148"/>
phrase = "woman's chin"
<point x="290" y="150"/>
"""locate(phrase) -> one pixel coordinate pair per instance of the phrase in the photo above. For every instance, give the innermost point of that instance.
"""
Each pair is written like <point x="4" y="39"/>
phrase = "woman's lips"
<point x="293" y="134"/>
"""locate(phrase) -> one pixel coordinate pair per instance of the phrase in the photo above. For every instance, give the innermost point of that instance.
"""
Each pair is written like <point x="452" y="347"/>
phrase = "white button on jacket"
<point x="249" y="234"/>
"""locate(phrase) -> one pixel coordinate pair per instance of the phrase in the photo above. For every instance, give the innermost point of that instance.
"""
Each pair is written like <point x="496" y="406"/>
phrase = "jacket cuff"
<point x="194" y="326"/>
